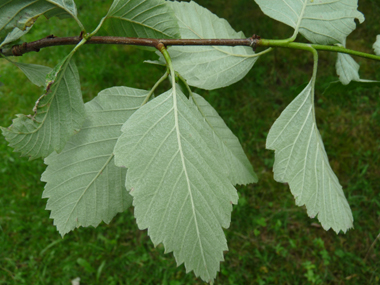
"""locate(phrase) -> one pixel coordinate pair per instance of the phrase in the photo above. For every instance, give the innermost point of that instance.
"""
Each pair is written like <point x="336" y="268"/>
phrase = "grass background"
<point x="271" y="241"/>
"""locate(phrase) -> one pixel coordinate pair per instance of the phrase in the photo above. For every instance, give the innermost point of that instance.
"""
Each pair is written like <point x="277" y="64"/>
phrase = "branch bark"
<point x="19" y="50"/>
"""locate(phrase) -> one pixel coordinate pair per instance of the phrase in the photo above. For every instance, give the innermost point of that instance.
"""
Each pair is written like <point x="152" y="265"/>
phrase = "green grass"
<point x="271" y="241"/>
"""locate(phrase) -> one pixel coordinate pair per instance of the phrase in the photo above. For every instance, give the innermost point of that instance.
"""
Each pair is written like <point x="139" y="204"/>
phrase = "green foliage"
<point x="301" y="161"/>
<point x="313" y="19"/>
<point x="16" y="16"/>
<point x="180" y="190"/>
<point x="36" y="73"/>
<point x="177" y="158"/>
<point x="212" y="67"/>
<point x="90" y="188"/>
<point x="58" y="114"/>
<point x="142" y="19"/>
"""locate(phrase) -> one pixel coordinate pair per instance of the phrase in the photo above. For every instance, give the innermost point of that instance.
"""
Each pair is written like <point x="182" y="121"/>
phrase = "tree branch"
<point x="19" y="50"/>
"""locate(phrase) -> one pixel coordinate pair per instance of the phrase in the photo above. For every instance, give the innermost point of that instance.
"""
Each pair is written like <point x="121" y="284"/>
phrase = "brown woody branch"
<point x="19" y="50"/>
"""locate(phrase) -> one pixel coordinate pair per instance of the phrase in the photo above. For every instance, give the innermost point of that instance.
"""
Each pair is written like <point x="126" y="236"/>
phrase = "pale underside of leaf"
<point x="301" y="161"/>
<point x="320" y="21"/>
<point x="59" y="113"/>
<point x="208" y="67"/>
<point x="347" y="68"/>
<point x="179" y="189"/>
<point x="240" y="170"/>
<point x="84" y="186"/>
<point x="376" y="45"/>
<point x="21" y="14"/>
<point x="142" y="19"/>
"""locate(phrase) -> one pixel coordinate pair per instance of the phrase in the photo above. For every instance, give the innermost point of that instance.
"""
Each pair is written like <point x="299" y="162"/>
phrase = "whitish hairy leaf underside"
<point x="84" y="186"/>
<point x="301" y="161"/>
<point x="320" y="21"/>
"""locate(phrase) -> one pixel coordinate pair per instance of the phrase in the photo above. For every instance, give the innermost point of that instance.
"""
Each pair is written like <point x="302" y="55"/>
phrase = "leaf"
<point x="301" y="161"/>
<point x="208" y="67"/>
<point x="142" y="19"/>
<point x="320" y="21"/>
<point x="35" y="73"/>
<point x="14" y="36"/>
<point x="376" y="45"/>
<point x="347" y="68"/>
<point x="22" y="14"/>
<point x="59" y="113"/>
<point x="90" y="188"/>
<point x="239" y="168"/>
<point x="180" y="191"/>
<point x="337" y="86"/>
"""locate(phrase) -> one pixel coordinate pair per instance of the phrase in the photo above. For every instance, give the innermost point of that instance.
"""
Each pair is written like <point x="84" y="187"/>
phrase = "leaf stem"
<point x="161" y="47"/>
<point x="155" y="86"/>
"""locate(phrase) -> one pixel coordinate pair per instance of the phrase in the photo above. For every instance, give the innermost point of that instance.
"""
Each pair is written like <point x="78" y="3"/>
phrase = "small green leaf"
<point x="301" y="161"/>
<point x="14" y="35"/>
<point x="180" y="190"/>
<point x="347" y="68"/>
<point x="36" y="73"/>
<point x="240" y="170"/>
<point x="376" y="45"/>
<point x="320" y="21"/>
<point x="58" y="114"/>
<point x="142" y="19"/>
<point x="208" y="67"/>
<point x="90" y="188"/>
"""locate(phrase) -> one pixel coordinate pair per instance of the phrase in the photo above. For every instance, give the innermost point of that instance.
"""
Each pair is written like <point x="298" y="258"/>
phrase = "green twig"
<point x="304" y="46"/>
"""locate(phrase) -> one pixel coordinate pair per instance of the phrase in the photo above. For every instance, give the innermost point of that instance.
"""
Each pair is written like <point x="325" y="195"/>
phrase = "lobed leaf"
<point x="18" y="15"/>
<point x="240" y="170"/>
<point x="180" y="190"/>
<point x="208" y="67"/>
<point x="90" y="188"/>
<point x="320" y="21"/>
<point x="142" y="19"/>
<point x="301" y="161"/>
<point x="347" y="68"/>
<point x="376" y="45"/>
<point x="59" y="113"/>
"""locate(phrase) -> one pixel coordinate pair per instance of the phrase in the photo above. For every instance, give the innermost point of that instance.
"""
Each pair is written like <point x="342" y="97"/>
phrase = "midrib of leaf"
<point x="176" y="124"/>
<point x="175" y="107"/>
<point x="88" y="186"/>
<point x="304" y="163"/>
<point x="288" y="122"/>
<point x="300" y="17"/>
<point x="295" y="141"/>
